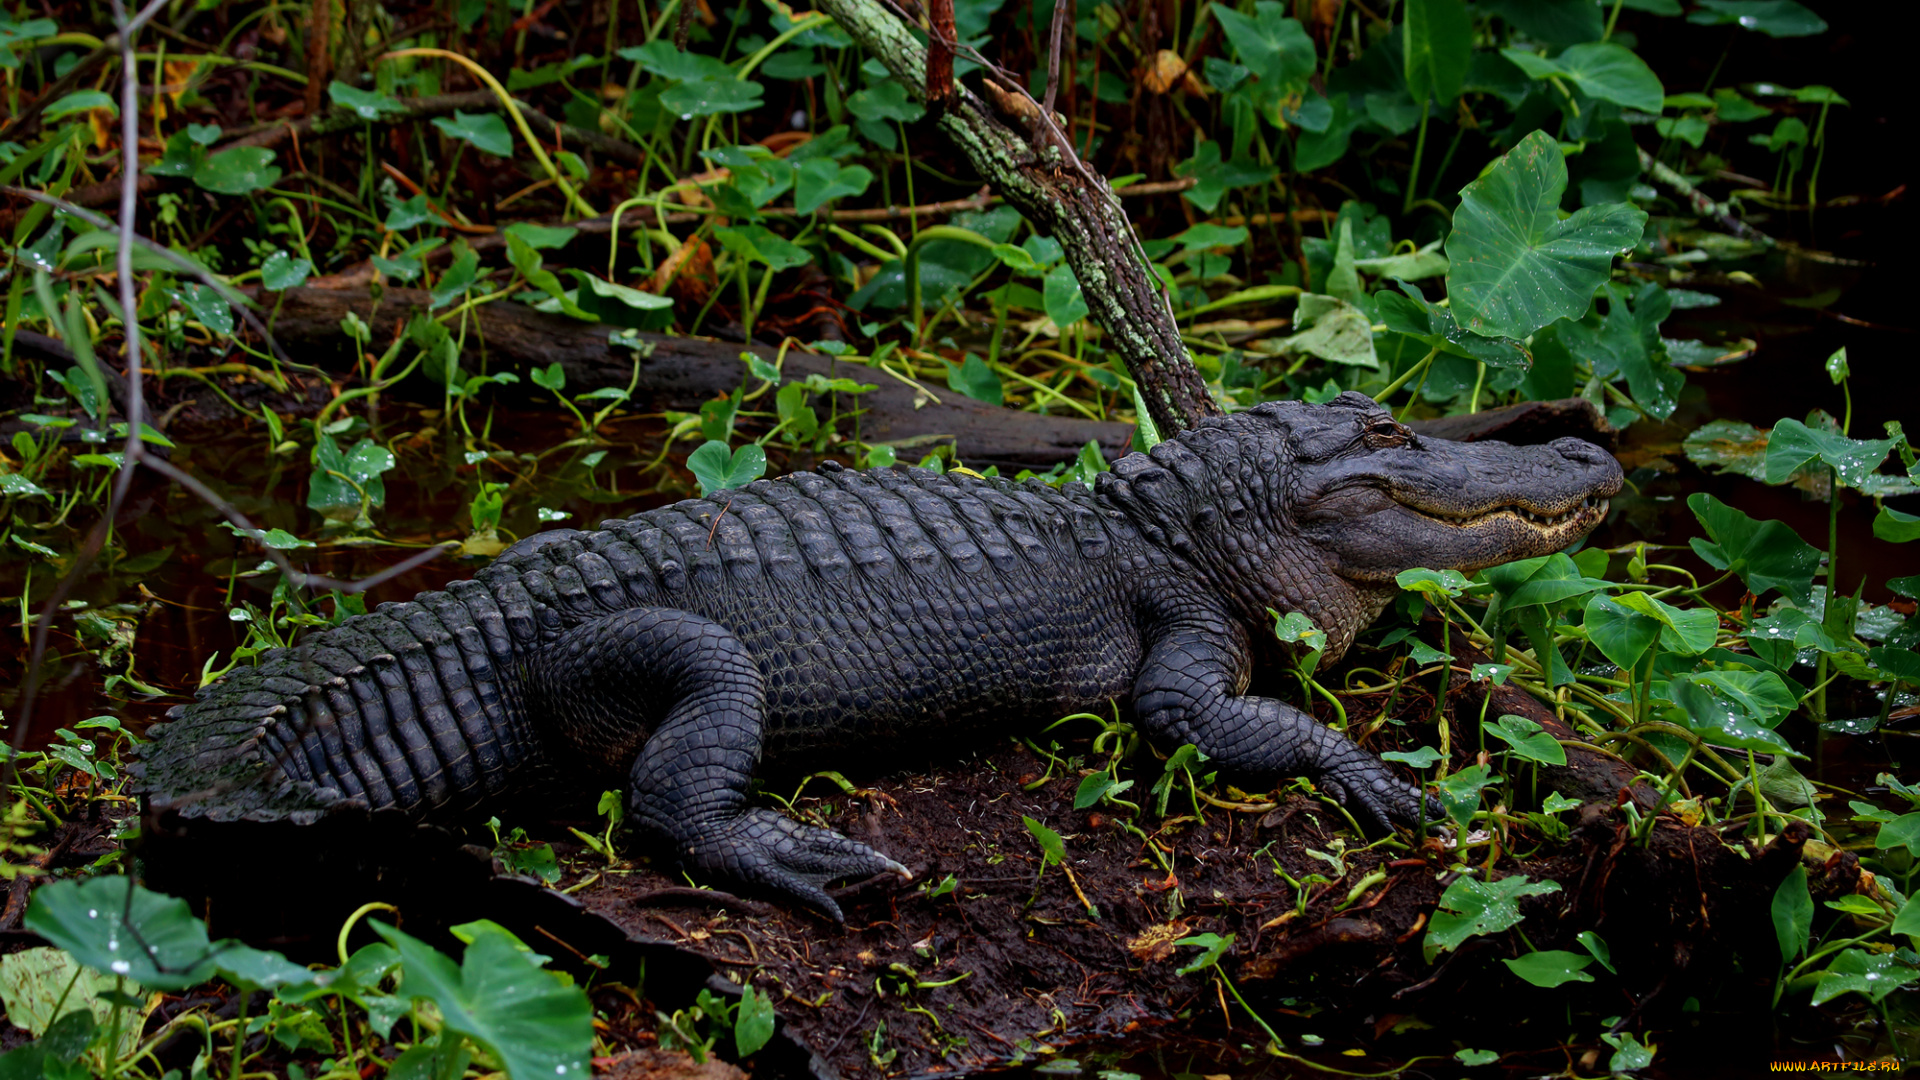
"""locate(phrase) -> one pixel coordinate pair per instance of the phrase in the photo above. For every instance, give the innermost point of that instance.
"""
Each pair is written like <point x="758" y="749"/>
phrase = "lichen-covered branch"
<point x="1037" y="171"/>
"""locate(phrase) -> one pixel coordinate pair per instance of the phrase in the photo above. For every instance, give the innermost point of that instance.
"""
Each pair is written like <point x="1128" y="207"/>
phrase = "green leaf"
<point x="1908" y="921"/>
<point x="1526" y="738"/>
<point x="753" y="1026"/>
<point x="1605" y="71"/>
<point x="339" y="479"/>
<point x="1872" y="975"/>
<point x="757" y="243"/>
<point x="1471" y="908"/>
<point x="1765" y="554"/>
<point x="1729" y="446"/>
<point x="541" y="237"/>
<point x="1053" y="850"/>
<point x="1206" y="236"/>
<point x="1774" y="18"/>
<point x="1902" y="664"/>
<point x="238" y="171"/>
<point x="1893" y="526"/>
<point x="1687" y="631"/>
<point x="534" y="1024"/>
<point x="1434" y="582"/>
<point x="78" y="102"/>
<point x="975" y="379"/>
<point x="1332" y="329"/>
<point x="1275" y="47"/>
<point x="155" y="940"/>
<point x="1460" y="793"/>
<point x="717" y="469"/>
<point x="15" y="486"/>
<point x="367" y="104"/>
<point x="1551" y="968"/>
<point x="822" y="180"/>
<point x="1064" y="302"/>
<point x="485" y="131"/>
<point x="207" y="306"/>
<point x="1407" y="312"/>
<point x="1214" y="947"/>
<point x="659" y="57"/>
<point x="885" y="102"/>
<point x="1215" y="177"/>
<point x="1437" y="47"/>
<point x="1422" y="758"/>
<point x="1901" y="832"/>
<point x="618" y="305"/>
<point x="282" y="271"/>
<point x="1793" y="445"/>
<point x="1551" y="22"/>
<point x="458" y="277"/>
<point x="1622" y="634"/>
<point x="1515" y="266"/>
<point x="1735" y="708"/>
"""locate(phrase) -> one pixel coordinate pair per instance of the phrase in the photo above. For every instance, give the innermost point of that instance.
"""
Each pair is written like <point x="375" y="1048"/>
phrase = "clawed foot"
<point x="1378" y="799"/>
<point x="761" y="847"/>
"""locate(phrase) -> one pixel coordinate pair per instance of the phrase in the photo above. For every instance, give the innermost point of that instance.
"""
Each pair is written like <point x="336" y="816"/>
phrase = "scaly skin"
<point x="831" y="609"/>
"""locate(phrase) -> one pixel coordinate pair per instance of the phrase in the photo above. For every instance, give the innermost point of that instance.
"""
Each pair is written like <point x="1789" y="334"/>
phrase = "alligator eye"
<point x="1385" y="431"/>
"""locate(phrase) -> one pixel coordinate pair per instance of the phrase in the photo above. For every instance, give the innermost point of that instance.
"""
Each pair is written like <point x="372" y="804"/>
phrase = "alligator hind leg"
<point x="680" y="697"/>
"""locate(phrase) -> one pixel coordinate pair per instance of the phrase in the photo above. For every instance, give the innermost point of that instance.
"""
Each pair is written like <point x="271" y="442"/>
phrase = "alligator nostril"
<point x="1580" y="450"/>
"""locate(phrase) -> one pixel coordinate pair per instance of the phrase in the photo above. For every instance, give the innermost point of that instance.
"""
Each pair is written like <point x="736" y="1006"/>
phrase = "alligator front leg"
<point x="680" y="697"/>
<point x="1186" y="692"/>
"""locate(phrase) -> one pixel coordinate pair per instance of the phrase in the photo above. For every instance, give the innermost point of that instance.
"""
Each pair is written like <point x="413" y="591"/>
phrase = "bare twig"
<point x="1054" y="42"/>
<point x="940" y="40"/>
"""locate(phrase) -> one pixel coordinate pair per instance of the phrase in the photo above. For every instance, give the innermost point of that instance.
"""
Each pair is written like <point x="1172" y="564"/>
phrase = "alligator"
<point x="839" y="609"/>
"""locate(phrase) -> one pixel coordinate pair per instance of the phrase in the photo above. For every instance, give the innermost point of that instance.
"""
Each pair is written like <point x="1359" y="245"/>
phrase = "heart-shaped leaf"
<point x="1515" y="266"/>
<point x="485" y="131"/>
<point x="717" y="469"/>
<point x="1766" y="554"/>
<point x="1601" y="70"/>
<point x="238" y="171"/>
<point x="367" y="104"/>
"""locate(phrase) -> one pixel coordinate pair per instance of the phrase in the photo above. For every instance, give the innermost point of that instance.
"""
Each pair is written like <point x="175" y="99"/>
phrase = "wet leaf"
<point x="1437" y="582"/>
<point x="1460" y="793"/>
<point x="484" y="131"/>
<point x="1515" y="266"/>
<point x="1765" y="554"/>
<point x="1622" y="634"/>
<point x="1471" y="908"/>
<point x="1872" y="975"/>
<point x="1729" y="446"/>
<point x="282" y="271"/>
<point x="1551" y="968"/>
<point x="1793" y="446"/>
<point x="1774" y="18"/>
<point x="207" y="306"/>
<point x="500" y="998"/>
<point x="1526" y="738"/>
<point x="92" y="919"/>
<point x="1408" y="312"/>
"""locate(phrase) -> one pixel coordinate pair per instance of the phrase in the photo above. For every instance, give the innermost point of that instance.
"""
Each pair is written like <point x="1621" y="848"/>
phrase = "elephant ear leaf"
<point x="1514" y="265"/>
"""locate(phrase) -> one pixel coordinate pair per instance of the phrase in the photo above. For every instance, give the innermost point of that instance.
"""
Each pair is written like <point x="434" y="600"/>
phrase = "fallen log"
<point x="681" y="373"/>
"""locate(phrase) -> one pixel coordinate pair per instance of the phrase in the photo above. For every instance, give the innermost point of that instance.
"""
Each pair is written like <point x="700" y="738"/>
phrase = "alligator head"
<point x="1316" y="508"/>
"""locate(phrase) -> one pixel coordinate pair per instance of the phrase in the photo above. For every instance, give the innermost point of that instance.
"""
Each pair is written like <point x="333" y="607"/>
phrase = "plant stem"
<point x="1419" y="147"/>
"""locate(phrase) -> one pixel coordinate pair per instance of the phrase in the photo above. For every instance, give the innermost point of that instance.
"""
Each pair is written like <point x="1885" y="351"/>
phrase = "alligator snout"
<point x="1582" y="452"/>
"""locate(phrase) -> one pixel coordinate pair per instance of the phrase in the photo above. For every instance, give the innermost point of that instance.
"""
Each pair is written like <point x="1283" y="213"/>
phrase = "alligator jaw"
<point x="1572" y="521"/>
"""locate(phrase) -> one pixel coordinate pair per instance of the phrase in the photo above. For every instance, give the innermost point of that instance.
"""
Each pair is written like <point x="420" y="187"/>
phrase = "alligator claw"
<point x="768" y="849"/>
<point x="1379" y="800"/>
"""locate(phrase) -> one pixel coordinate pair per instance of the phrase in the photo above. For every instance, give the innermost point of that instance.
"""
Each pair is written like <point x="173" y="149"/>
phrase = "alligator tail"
<point x="412" y="707"/>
